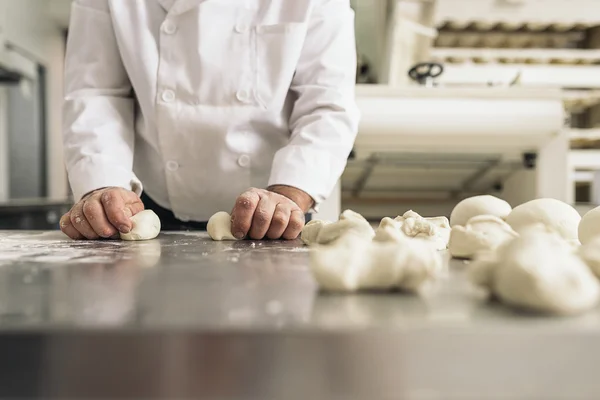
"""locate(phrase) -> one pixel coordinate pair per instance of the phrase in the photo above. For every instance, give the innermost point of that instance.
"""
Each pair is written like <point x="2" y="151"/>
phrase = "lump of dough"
<point x="146" y="226"/>
<point x="481" y="233"/>
<point x="323" y="232"/>
<point x="553" y="213"/>
<point x="355" y="263"/>
<point x="590" y="253"/>
<point x="538" y="271"/>
<point x="219" y="227"/>
<point x="311" y="231"/>
<point x="435" y="231"/>
<point x="479" y="205"/>
<point x="389" y="230"/>
<point x="589" y="227"/>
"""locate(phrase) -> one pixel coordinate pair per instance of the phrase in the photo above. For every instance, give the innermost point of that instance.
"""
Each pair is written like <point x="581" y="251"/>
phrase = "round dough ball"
<point x="219" y="227"/>
<point x="589" y="227"/>
<point x="479" y="205"/>
<point x="146" y="226"/>
<point x="554" y="214"/>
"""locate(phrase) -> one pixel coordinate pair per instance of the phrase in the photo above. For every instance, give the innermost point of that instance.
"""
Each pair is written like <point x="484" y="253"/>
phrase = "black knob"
<point x="422" y="71"/>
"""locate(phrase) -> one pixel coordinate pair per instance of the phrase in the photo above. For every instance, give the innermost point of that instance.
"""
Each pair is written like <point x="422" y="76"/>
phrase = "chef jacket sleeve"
<point x="325" y="117"/>
<point x="99" y="107"/>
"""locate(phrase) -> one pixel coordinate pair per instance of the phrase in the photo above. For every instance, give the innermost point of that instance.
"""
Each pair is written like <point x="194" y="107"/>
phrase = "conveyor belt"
<point x="183" y="317"/>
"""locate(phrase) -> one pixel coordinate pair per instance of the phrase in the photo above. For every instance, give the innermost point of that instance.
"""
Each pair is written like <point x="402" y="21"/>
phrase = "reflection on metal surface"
<point x="96" y="320"/>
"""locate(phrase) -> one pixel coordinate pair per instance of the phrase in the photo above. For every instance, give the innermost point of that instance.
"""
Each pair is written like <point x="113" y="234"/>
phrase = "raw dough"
<point x="324" y="232"/>
<point x="539" y="271"/>
<point x="435" y="231"/>
<point x="589" y="227"/>
<point x="590" y="253"/>
<point x="553" y="213"/>
<point x="219" y="227"/>
<point x="481" y="233"/>
<point x="479" y="205"/>
<point x="311" y="230"/>
<point x="146" y="226"/>
<point x="355" y="262"/>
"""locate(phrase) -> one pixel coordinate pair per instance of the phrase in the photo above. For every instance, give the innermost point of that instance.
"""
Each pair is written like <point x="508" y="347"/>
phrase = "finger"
<point x="294" y="226"/>
<point x="263" y="215"/>
<point x="280" y="220"/>
<point x="133" y="203"/>
<point x="243" y="212"/>
<point x="116" y="210"/>
<point x="80" y="223"/>
<point x="95" y="215"/>
<point x="68" y="229"/>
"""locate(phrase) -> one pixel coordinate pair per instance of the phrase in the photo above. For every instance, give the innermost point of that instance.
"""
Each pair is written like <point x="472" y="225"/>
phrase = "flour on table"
<point x="538" y="271"/>
<point x="481" y="233"/>
<point x="324" y="232"/>
<point x="355" y="262"/>
<point x="146" y="226"/>
<point x="435" y="231"/>
<point x="219" y="227"/>
<point x="479" y="205"/>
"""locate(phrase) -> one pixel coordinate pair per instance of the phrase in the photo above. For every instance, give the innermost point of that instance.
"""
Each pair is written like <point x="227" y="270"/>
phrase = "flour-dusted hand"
<point x="274" y="213"/>
<point x="103" y="213"/>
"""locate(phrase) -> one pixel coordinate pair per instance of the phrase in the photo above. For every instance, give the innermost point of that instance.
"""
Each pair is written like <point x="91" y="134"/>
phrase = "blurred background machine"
<point x="506" y="102"/>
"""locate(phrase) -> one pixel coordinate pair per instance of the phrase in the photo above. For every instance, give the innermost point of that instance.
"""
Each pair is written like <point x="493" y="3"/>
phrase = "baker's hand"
<point x="101" y="214"/>
<point x="274" y="213"/>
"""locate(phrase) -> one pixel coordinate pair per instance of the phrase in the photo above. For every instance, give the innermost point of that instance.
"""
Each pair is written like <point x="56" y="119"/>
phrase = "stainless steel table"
<point x="182" y="317"/>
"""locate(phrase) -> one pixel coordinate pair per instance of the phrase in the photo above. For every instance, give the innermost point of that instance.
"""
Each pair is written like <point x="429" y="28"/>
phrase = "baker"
<point x="180" y="106"/>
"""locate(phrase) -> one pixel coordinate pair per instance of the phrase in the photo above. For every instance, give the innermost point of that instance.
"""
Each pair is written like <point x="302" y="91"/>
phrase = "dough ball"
<point x="355" y="263"/>
<point x="479" y="205"/>
<point x="481" y="233"/>
<point x="324" y="232"/>
<point x="435" y="231"/>
<point x="390" y="230"/>
<point x="589" y="227"/>
<point x="590" y="253"/>
<point x="555" y="214"/>
<point x="539" y="271"/>
<point x="219" y="227"/>
<point x="311" y="231"/>
<point x="146" y="226"/>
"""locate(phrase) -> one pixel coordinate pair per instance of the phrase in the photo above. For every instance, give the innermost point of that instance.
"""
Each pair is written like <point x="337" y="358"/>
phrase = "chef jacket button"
<point x="172" y="165"/>
<point x="243" y="96"/>
<point x="169" y="27"/>
<point x="241" y="28"/>
<point x="168" y="96"/>
<point x="244" y="161"/>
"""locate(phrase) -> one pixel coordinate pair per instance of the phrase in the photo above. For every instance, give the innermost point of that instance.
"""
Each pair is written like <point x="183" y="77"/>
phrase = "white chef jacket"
<point x="199" y="100"/>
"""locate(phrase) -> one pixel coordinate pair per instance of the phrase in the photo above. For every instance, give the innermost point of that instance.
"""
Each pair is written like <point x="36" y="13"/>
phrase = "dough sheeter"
<point x="182" y="316"/>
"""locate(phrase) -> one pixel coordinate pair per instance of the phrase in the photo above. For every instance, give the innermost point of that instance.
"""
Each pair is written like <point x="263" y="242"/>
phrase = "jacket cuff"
<point x="93" y="173"/>
<point x="313" y="171"/>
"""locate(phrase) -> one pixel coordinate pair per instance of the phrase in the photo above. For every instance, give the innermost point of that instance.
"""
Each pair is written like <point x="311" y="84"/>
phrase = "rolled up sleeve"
<point x="324" y="120"/>
<point x="98" y="109"/>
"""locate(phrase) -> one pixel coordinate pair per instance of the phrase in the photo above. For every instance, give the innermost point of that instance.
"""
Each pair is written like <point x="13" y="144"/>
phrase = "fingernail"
<point x="124" y="229"/>
<point x="239" y="235"/>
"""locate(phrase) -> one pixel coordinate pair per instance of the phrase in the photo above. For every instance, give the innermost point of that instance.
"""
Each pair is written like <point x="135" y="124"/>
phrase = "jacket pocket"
<point x="278" y="49"/>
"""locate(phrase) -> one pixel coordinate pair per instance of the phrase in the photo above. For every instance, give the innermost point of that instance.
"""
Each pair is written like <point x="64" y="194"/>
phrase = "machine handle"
<point x="422" y="72"/>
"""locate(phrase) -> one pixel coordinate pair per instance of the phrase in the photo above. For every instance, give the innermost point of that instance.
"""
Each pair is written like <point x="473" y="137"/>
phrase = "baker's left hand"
<point x="273" y="213"/>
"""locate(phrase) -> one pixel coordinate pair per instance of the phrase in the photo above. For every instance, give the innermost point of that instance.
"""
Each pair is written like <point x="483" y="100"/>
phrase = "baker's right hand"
<point x="103" y="213"/>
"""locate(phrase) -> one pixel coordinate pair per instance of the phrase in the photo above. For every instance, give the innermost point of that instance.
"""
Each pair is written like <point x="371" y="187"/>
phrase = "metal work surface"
<point x="182" y="317"/>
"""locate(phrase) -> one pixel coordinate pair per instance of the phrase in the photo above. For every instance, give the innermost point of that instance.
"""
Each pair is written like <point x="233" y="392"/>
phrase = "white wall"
<point x="31" y="26"/>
